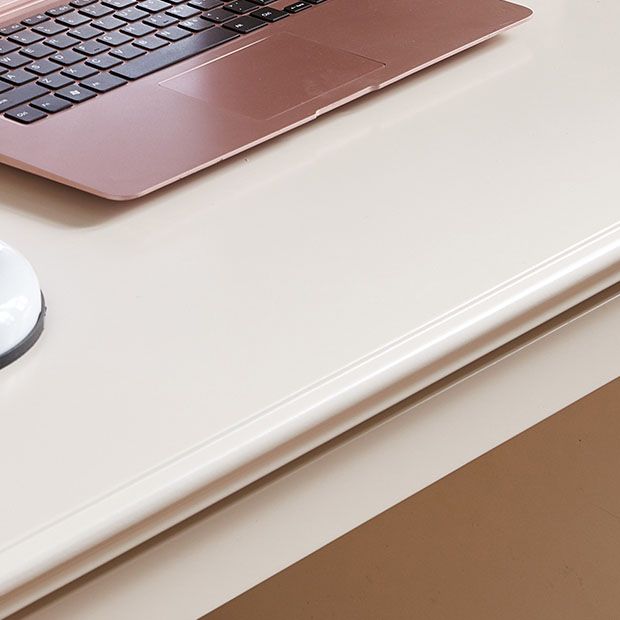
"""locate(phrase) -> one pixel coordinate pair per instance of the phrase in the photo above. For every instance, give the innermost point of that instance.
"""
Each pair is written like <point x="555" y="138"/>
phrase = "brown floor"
<point x="530" y="530"/>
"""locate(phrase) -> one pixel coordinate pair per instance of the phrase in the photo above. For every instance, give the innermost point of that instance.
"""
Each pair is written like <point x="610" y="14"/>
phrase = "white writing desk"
<point x="198" y="339"/>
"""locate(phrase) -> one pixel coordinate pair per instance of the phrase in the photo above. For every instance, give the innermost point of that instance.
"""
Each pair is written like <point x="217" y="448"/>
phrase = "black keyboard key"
<point x="18" y="77"/>
<point x="150" y="43"/>
<point x="97" y="10"/>
<point x="63" y="41"/>
<point x="42" y="67"/>
<point x="78" y="72"/>
<point x="196" y="24"/>
<point x="245" y="24"/>
<point x="132" y="14"/>
<point x="103" y="82"/>
<point x="127" y="52"/>
<point x="4" y="87"/>
<point x="240" y="7"/>
<point x="263" y="2"/>
<point x="25" y="115"/>
<point x="50" y="104"/>
<point x="173" y="34"/>
<point x="297" y="7"/>
<point x="270" y="15"/>
<point x="13" y="28"/>
<point x="75" y="93"/>
<point x="137" y="30"/>
<point x="49" y="29"/>
<point x="20" y="95"/>
<point x="109" y="23"/>
<point x="67" y="57"/>
<point x="205" y="5"/>
<point x="154" y="6"/>
<point x="84" y="33"/>
<point x="91" y="48"/>
<point x="174" y="53"/>
<point x="55" y="81"/>
<point x="103" y="62"/>
<point x="73" y="19"/>
<point x="219" y="15"/>
<point x="15" y="60"/>
<point x="78" y="4"/>
<point x="35" y="19"/>
<point x="6" y="47"/>
<point x="59" y="10"/>
<point x="38" y="50"/>
<point x="119" y="4"/>
<point x="183" y="11"/>
<point x="26" y="37"/>
<point x="161" y="20"/>
<point x="114" y="39"/>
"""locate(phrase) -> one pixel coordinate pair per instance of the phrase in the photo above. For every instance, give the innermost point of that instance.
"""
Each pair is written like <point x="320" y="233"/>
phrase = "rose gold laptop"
<point x="121" y="97"/>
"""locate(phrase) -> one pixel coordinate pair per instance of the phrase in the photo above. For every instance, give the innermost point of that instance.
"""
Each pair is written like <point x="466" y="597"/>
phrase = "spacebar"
<point x="171" y="54"/>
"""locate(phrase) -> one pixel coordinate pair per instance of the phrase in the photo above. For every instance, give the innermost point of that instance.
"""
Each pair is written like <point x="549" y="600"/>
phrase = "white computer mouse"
<point x="22" y="308"/>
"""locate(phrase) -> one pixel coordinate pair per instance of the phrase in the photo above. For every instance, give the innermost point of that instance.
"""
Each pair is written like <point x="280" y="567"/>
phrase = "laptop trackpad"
<point x="272" y="76"/>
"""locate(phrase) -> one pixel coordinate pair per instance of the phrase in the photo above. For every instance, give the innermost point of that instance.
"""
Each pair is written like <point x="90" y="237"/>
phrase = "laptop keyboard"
<point x="72" y="53"/>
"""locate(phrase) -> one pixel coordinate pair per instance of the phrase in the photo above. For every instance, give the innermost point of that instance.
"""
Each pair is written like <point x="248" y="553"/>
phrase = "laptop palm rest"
<point x="274" y="75"/>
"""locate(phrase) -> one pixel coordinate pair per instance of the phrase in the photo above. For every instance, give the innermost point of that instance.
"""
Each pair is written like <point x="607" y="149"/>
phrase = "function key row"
<point x="82" y="10"/>
<point x="105" y="7"/>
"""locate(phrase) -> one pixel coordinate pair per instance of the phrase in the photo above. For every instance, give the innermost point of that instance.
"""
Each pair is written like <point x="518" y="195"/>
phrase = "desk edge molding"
<point x="95" y="533"/>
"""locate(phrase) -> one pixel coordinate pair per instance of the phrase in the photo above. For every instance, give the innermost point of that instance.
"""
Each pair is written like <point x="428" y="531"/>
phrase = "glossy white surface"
<point x="238" y="543"/>
<point x="20" y="298"/>
<point x="254" y="311"/>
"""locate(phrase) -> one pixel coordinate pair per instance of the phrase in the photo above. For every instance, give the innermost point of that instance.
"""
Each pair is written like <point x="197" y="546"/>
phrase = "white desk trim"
<point x="69" y="547"/>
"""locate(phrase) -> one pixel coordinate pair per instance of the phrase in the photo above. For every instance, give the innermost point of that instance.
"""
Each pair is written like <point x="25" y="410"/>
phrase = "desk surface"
<point x="199" y="338"/>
